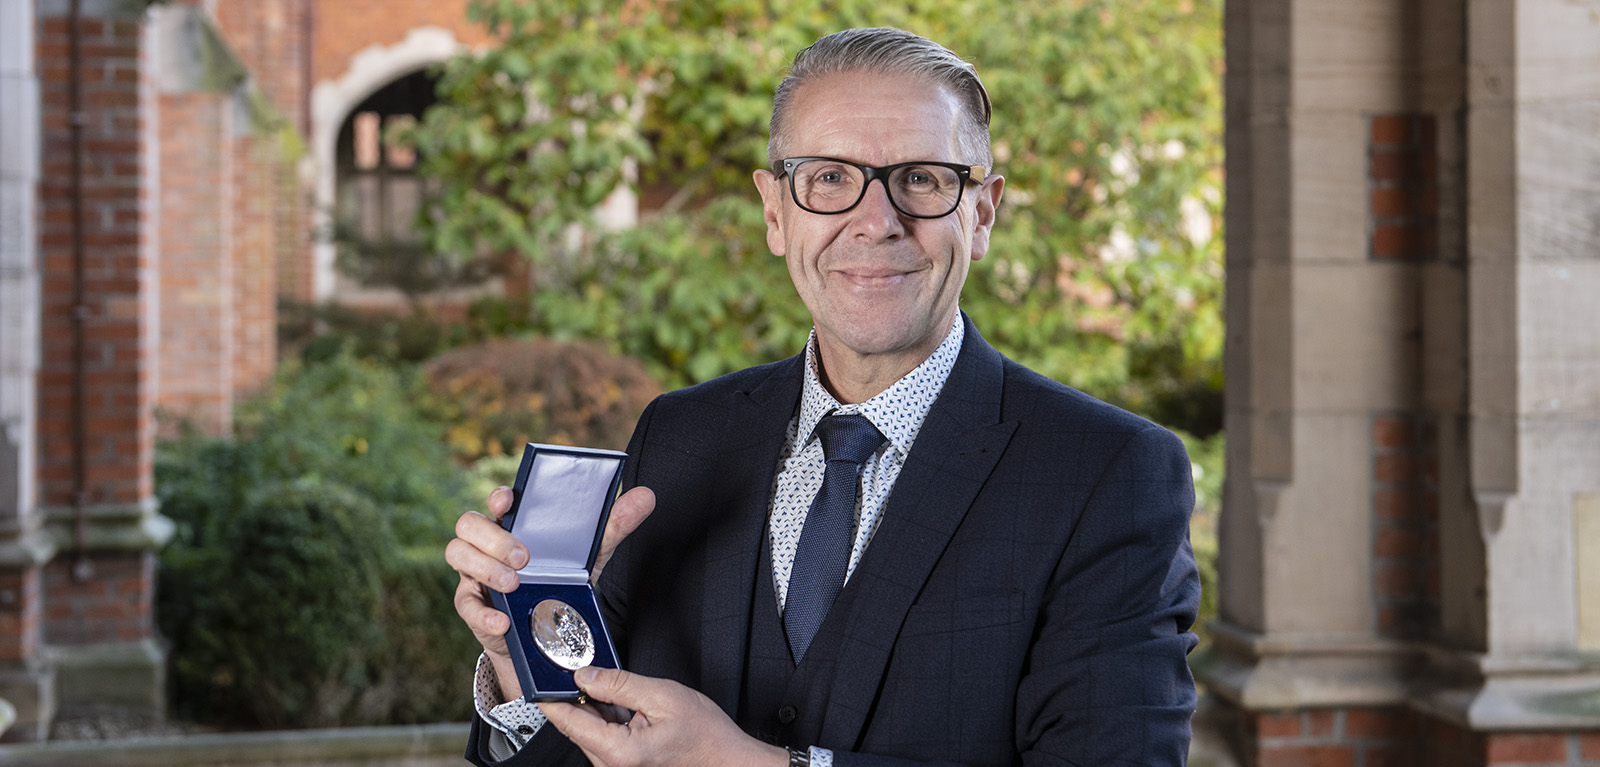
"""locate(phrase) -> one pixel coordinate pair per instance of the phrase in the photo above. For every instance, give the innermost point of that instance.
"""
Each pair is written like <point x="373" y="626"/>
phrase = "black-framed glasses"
<point x="827" y="185"/>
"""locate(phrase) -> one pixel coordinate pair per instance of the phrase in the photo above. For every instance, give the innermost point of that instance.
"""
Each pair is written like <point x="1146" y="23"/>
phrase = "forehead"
<point x="874" y="118"/>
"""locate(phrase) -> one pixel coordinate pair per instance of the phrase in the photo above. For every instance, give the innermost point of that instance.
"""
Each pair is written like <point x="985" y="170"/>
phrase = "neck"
<point x="854" y="382"/>
<point x="854" y="378"/>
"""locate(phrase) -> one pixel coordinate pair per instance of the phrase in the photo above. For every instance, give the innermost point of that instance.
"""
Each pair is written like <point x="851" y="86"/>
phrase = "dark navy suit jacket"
<point x="1026" y="599"/>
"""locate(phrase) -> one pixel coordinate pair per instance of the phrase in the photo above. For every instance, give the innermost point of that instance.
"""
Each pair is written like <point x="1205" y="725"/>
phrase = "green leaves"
<point x="304" y="586"/>
<point x="1106" y="266"/>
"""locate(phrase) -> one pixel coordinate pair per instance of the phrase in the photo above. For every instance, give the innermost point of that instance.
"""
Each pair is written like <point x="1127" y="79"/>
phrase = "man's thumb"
<point x="602" y="684"/>
<point x="586" y="677"/>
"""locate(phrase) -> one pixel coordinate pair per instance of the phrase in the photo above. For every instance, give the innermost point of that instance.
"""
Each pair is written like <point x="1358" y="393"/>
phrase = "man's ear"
<point x="772" y="192"/>
<point x="988" y="203"/>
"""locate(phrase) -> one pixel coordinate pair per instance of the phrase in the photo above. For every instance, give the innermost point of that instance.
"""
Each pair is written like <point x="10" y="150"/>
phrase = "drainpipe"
<point x="83" y="569"/>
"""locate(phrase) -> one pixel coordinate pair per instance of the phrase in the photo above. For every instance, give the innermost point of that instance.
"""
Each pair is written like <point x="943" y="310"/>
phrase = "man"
<point x="1016" y="583"/>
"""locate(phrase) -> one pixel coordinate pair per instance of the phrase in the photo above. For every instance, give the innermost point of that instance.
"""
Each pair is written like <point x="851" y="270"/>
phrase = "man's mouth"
<point x="872" y="279"/>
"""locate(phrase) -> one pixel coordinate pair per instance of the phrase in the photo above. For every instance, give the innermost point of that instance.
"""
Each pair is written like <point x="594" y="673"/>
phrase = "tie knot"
<point x="850" y="438"/>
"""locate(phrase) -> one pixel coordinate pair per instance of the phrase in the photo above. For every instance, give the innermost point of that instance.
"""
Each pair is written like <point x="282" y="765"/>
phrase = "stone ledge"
<point x="1268" y="672"/>
<point x="110" y="526"/>
<point x="403" y="746"/>
<point x="1477" y="691"/>
<point x="1503" y="693"/>
<point x="8" y="715"/>
<point x="127" y="675"/>
<point x="21" y="549"/>
<point x="29" y="689"/>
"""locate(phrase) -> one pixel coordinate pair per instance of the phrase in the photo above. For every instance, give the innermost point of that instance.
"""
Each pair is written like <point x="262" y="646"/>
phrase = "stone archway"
<point x="331" y="104"/>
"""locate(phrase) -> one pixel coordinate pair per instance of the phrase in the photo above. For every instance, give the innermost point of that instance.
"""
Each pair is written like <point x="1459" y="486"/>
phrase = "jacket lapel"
<point x="754" y="435"/>
<point x="960" y="442"/>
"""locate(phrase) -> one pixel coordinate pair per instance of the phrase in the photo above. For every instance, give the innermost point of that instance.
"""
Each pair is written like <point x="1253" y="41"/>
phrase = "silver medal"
<point x="562" y="634"/>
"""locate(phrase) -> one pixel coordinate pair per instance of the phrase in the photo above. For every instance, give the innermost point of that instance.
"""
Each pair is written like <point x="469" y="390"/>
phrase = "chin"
<point x="867" y="340"/>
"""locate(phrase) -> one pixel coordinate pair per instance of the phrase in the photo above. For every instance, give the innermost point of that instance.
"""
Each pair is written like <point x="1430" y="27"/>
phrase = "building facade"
<point x="1410" y="567"/>
<point x="164" y="168"/>
<point x="1410" y="538"/>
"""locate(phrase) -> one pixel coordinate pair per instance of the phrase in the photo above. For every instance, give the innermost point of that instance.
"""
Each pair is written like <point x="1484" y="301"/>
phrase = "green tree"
<point x="1106" y="266"/>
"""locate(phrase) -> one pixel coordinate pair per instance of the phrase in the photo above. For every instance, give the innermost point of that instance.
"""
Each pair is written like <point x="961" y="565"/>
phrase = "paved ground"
<point x="108" y="742"/>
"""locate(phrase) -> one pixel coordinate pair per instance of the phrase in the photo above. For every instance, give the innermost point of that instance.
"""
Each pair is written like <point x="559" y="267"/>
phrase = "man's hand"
<point x="488" y="556"/>
<point x="672" y="725"/>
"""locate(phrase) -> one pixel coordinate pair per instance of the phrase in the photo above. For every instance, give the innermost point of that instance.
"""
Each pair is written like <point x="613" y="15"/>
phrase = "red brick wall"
<point x="342" y="28"/>
<point x="1395" y="736"/>
<point x="1405" y="523"/>
<point x="1403" y="187"/>
<point x="231" y="219"/>
<point x="119" y="400"/>
<point x="1450" y="745"/>
<point x="270" y="39"/>
<point x="255" y="251"/>
<point x="112" y="605"/>
<point x="197" y="274"/>
<point x="1333" y="737"/>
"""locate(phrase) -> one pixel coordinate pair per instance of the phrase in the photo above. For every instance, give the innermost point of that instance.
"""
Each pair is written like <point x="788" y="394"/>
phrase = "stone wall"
<point x="191" y="199"/>
<point x="1413" y="400"/>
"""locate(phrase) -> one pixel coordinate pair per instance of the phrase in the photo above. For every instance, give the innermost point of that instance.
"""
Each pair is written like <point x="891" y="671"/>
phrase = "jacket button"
<point x="787" y="714"/>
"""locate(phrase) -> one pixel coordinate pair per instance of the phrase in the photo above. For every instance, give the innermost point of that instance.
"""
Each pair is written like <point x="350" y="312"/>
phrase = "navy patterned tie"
<point x="823" y="553"/>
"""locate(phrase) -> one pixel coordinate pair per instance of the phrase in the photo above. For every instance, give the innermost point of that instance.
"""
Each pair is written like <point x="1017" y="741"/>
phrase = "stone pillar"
<point x="25" y="681"/>
<point x="272" y="240"/>
<point x="1413" y="402"/>
<point x="1523" y="656"/>
<point x="1333" y="243"/>
<point x="198" y="244"/>
<point x="98" y="589"/>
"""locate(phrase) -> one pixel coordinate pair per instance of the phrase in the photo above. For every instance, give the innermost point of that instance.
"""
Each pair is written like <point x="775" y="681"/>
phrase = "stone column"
<point x="1413" y="403"/>
<point x="25" y="681"/>
<point x="99" y="588"/>
<point x="1522" y="655"/>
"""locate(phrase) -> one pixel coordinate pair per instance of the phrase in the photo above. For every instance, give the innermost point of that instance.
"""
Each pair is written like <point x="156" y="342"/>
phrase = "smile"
<point x="873" y="278"/>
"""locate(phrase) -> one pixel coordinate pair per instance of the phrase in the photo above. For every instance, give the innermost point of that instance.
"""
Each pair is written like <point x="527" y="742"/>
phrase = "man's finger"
<point x="601" y="740"/>
<point x="489" y="537"/>
<point x="470" y="562"/>
<point x="499" y="502"/>
<point x="629" y="510"/>
<point x="479" y="616"/>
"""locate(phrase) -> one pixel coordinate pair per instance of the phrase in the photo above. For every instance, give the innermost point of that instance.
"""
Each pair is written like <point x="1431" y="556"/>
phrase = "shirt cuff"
<point x="821" y="757"/>
<point x="517" y="720"/>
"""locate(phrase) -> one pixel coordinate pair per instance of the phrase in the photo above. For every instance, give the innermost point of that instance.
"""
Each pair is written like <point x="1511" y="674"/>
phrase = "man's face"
<point x="882" y="287"/>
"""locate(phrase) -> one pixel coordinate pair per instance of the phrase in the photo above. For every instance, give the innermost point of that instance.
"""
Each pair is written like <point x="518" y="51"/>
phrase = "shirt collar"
<point x="897" y="411"/>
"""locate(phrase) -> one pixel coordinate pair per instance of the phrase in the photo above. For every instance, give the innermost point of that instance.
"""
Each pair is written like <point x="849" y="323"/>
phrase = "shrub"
<point x="503" y="394"/>
<point x="304" y="586"/>
<point x="321" y="332"/>
<point x="361" y="424"/>
<point x="281" y="605"/>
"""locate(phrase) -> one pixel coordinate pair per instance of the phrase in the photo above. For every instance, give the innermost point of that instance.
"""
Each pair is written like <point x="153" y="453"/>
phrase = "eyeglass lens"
<point x="825" y="186"/>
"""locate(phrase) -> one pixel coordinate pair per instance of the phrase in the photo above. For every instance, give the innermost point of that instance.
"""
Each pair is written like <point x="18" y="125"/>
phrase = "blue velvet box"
<point x="559" y="507"/>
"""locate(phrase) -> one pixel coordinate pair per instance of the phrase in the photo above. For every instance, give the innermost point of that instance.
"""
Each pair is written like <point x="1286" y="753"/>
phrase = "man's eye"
<point x="918" y="177"/>
<point x="830" y="177"/>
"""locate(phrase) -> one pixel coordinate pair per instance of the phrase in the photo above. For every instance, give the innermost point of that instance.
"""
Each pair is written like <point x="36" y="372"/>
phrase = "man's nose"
<point x="875" y="216"/>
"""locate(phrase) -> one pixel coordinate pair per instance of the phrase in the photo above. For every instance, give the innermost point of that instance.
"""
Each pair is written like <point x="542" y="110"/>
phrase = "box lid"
<point x="561" y="500"/>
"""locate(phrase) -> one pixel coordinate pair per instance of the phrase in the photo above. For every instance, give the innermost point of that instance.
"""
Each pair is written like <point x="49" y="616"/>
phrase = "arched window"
<point x="377" y="186"/>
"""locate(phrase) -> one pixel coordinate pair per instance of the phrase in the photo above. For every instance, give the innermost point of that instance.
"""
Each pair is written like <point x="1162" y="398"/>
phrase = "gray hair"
<point x="886" y="51"/>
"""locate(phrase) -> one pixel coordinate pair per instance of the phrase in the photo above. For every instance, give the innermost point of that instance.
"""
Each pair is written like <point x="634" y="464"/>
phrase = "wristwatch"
<point x="799" y="758"/>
